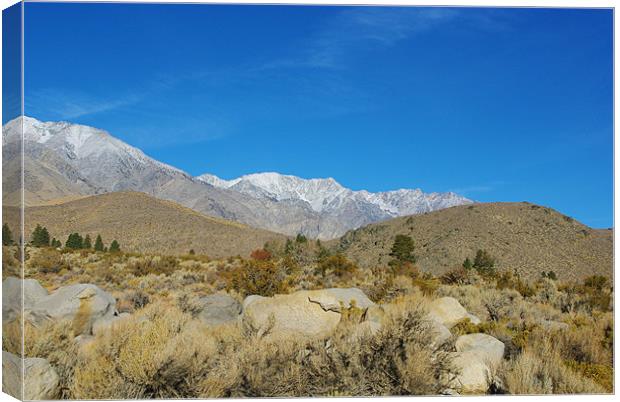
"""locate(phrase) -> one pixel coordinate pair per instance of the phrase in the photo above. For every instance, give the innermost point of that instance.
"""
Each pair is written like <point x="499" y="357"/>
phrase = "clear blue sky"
<point x="496" y="104"/>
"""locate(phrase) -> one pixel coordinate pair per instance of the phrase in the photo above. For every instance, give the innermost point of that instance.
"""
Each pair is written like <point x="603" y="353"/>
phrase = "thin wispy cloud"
<point x="363" y="28"/>
<point x="72" y="104"/>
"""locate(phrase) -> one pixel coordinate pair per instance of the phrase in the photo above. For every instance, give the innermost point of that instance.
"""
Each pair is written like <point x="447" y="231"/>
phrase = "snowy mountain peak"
<point x="79" y="142"/>
<point x="325" y="195"/>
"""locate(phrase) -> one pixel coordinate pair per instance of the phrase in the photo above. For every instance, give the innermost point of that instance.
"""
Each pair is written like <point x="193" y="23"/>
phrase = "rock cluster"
<point x="87" y="306"/>
<point x="308" y="313"/>
<point x="476" y="356"/>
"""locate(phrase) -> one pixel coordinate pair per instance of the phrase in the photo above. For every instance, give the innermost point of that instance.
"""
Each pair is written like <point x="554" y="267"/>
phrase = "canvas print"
<point x="217" y="201"/>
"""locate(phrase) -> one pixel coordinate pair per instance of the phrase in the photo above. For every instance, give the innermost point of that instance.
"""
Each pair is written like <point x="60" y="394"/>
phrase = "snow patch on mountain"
<point x="78" y="142"/>
<point x="327" y="195"/>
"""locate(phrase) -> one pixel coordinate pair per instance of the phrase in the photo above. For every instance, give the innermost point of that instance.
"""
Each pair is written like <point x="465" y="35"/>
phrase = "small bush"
<point x="48" y="261"/>
<point x="257" y="277"/>
<point x="337" y="265"/>
<point x="261" y="255"/>
<point x="153" y="265"/>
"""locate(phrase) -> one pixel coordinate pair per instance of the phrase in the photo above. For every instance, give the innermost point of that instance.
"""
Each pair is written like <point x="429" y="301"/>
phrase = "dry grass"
<point x="164" y="351"/>
<point x="169" y="354"/>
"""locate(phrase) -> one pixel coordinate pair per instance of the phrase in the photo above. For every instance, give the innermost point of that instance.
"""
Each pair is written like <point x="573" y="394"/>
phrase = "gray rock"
<point x="84" y="302"/>
<point x="487" y="347"/>
<point x="41" y="379"/>
<point x="474" y="375"/>
<point x="219" y="309"/>
<point x="12" y="296"/>
<point x="476" y="358"/>
<point x="440" y="333"/>
<point x="334" y="299"/>
<point x="305" y="313"/>
<point x="447" y="311"/>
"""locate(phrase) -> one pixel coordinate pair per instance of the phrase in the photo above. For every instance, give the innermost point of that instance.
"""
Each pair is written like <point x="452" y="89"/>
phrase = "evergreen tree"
<point x="114" y="247"/>
<point x="98" y="243"/>
<point x="40" y="237"/>
<point x="87" y="243"/>
<point x="402" y="250"/>
<point x="484" y="263"/>
<point x="74" y="241"/>
<point x="467" y="263"/>
<point x="7" y="236"/>
<point x="301" y="238"/>
<point x="288" y="247"/>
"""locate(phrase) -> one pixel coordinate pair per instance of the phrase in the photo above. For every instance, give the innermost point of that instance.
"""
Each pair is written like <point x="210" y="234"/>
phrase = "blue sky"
<point x="496" y="104"/>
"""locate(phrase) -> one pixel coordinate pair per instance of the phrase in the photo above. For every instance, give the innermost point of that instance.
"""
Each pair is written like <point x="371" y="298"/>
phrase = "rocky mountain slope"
<point x="143" y="223"/>
<point x="328" y="197"/>
<point x="521" y="236"/>
<point x="64" y="160"/>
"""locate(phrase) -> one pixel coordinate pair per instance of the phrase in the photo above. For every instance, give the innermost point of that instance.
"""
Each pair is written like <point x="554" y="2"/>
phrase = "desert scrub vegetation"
<point x="558" y="336"/>
<point x="162" y="352"/>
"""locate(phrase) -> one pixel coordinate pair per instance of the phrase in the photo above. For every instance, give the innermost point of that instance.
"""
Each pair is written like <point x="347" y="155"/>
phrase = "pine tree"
<point x="467" y="263"/>
<point x="115" y="247"/>
<point x="74" y="241"/>
<point x="7" y="236"/>
<point x="484" y="263"/>
<point x="87" y="243"/>
<point x="40" y="237"/>
<point x="402" y="249"/>
<point x="98" y="243"/>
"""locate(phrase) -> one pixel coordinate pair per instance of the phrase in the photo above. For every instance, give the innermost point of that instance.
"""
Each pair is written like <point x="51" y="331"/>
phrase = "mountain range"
<point x="66" y="161"/>
<point x="143" y="224"/>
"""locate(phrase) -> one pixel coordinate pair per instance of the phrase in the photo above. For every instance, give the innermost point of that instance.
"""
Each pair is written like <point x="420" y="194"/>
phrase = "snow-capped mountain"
<point x="328" y="196"/>
<point x="66" y="160"/>
<point x="97" y="154"/>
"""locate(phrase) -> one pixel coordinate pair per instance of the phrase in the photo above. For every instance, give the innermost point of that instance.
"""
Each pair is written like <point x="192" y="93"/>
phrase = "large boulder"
<point x="310" y="313"/>
<point x="83" y="304"/>
<point x="335" y="299"/>
<point x="440" y="333"/>
<point x="41" y="379"/>
<point x="219" y="309"/>
<point x="447" y="311"/>
<point x="12" y="296"/>
<point x="476" y="358"/>
<point x="486" y="347"/>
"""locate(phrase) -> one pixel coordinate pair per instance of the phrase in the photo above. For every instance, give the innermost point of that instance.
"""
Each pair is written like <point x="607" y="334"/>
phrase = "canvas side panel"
<point x="12" y="211"/>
